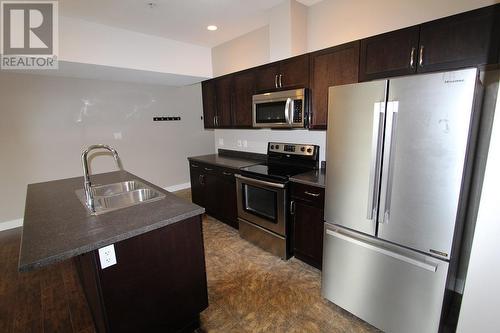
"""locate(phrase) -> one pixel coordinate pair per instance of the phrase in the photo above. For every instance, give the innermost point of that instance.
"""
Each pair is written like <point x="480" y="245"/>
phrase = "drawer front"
<point x="203" y="167"/>
<point x="312" y="194"/>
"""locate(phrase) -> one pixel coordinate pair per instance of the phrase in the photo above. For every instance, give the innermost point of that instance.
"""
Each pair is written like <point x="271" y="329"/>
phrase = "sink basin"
<point x="116" y="188"/>
<point x="115" y="196"/>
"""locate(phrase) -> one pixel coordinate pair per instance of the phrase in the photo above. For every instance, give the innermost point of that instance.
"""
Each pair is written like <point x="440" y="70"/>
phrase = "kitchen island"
<point x="158" y="282"/>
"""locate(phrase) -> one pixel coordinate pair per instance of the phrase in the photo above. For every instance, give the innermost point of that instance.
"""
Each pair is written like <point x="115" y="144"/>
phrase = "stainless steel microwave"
<point x="280" y="109"/>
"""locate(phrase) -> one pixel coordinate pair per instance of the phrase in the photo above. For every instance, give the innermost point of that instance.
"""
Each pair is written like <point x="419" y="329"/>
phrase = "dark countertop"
<point x="313" y="178"/>
<point x="57" y="226"/>
<point x="225" y="161"/>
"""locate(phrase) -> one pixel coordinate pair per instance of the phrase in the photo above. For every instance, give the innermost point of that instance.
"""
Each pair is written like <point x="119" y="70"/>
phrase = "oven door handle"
<point x="259" y="182"/>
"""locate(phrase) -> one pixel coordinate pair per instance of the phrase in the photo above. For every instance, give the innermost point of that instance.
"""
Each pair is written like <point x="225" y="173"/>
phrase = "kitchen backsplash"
<point x="256" y="140"/>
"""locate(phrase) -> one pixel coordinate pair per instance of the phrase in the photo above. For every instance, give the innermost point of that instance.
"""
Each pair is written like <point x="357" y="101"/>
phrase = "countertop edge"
<point x="91" y="247"/>
<point x="305" y="182"/>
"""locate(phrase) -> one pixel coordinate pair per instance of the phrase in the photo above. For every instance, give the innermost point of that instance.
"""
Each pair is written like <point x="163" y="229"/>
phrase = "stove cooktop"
<point x="275" y="173"/>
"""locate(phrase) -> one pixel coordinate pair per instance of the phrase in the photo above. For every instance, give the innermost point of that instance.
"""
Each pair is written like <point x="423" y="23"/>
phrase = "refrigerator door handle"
<point x="371" y="247"/>
<point x="387" y="169"/>
<point x="378" y="124"/>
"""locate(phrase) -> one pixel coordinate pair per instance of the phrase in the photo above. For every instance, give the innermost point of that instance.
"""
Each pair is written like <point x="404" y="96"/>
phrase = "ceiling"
<point x="182" y="20"/>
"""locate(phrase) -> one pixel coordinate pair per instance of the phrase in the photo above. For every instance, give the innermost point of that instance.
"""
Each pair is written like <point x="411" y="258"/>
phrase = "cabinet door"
<point x="389" y="54"/>
<point x="463" y="40"/>
<point x="308" y="233"/>
<point x="226" y="196"/>
<point x="197" y="184"/>
<point x="266" y="77"/>
<point x="331" y="67"/>
<point x="223" y="89"/>
<point x="294" y="72"/>
<point x="208" y="95"/>
<point x="243" y="89"/>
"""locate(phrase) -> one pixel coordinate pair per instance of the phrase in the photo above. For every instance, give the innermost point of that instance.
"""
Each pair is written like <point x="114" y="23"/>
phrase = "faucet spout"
<point x="87" y="184"/>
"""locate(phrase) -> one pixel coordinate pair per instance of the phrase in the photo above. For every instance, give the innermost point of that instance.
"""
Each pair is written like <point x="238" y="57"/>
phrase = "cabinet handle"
<point x="194" y="166"/>
<point x="281" y="85"/>
<point x="201" y="179"/>
<point x="208" y="169"/>
<point x="312" y="194"/>
<point x="412" y="57"/>
<point x="227" y="173"/>
<point x="421" y="56"/>
<point x="276" y="80"/>
<point x="292" y="207"/>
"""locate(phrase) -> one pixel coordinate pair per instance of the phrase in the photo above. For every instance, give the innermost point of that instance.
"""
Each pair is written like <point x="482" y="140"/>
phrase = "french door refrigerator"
<point x="396" y="179"/>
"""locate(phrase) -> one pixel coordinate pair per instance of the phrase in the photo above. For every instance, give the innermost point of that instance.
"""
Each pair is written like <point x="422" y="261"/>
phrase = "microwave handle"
<point x="287" y="110"/>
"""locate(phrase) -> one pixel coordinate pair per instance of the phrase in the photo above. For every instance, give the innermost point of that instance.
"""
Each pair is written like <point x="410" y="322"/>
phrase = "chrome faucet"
<point x="87" y="185"/>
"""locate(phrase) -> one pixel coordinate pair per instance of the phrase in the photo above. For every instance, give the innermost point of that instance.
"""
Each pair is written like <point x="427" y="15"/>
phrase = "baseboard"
<point x="11" y="224"/>
<point x="177" y="187"/>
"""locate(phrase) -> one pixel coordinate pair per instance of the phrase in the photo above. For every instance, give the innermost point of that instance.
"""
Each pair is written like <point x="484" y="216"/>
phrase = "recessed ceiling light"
<point x="212" y="27"/>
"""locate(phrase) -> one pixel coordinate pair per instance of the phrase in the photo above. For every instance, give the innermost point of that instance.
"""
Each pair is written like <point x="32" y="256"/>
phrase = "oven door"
<point x="262" y="203"/>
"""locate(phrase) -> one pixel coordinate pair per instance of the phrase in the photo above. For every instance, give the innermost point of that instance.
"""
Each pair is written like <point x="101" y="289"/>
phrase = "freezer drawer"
<point x="392" y="288"/>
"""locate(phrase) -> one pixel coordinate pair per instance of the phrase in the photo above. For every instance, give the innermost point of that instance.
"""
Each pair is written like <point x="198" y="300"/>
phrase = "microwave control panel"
<point x="297" y="111"/>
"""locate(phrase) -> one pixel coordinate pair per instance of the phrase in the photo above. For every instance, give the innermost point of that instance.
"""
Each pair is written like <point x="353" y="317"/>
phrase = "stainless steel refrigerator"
<point x="397" y="169"/>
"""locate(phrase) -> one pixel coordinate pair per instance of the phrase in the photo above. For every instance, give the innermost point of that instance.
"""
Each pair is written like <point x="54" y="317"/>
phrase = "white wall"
<point x="256" y="140"/>
<point x="92" y="43"/>
<point x="481" y="299"/>
<point x="333" y="22"/>
<point x="246" y="51"/>
<point x="46" y="122"/>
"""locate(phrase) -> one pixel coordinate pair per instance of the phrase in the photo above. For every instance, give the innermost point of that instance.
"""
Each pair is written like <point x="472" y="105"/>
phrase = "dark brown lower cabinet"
<point x="159" y="283"/>
<point x="214" y="188"/>
<point x="307" y="218"/>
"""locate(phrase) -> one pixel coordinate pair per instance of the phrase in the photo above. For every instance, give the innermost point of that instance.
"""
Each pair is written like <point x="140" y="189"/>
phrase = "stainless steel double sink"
<point x="115" y="196"/>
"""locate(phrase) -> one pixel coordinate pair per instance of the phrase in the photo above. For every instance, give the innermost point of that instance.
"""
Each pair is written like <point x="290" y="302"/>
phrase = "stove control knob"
<point x="272" y="146"/>
<point x="303" y="149"/>
<point x="277" y="146"/>
<point x="309" y="150"/>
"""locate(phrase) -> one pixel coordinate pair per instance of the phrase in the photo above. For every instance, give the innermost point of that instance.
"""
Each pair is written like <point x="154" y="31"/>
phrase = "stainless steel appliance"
<point x="262" y="194"/>
<point x="280" y="109"/>
<point x="398" y="158"/>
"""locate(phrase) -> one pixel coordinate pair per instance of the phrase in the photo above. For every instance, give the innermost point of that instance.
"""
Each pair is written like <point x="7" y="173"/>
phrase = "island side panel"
<point x="158" y="284"/>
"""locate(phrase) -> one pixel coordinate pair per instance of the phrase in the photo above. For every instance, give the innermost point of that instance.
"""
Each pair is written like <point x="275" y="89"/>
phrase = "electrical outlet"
<point x="107" y="256"/>
<point x="221" y="141"/>
<point x="117" y="135"/>
<point x="239" y="143"/>
<point x="245" y="143"/>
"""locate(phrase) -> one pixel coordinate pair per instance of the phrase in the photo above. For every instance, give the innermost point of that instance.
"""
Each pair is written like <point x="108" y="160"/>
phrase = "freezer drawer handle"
<point x="414" y="262"/>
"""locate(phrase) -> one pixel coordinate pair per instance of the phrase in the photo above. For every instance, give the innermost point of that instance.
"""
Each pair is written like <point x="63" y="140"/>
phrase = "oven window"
<point x="270" y="112"/>
<point x="260" y="201"/>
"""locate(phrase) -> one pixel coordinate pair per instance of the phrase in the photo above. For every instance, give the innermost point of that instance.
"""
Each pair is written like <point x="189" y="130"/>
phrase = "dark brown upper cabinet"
<point x="209" y="107"/>
<point x="243" y="90"/>
<point x="462" y="40"/>
<point x="468" y="39"/>
<point x="330" y="67"/>
<point x="223" y="99"/>
<point x="286" y="74"/>
<point x="390" y="54"/>
<point x="267" y="77"/>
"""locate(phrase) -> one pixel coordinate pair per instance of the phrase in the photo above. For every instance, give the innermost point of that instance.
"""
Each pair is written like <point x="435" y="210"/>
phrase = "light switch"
<point x="107" y="256"/>
<point x="117" y="135"/>
<point x="245" y="143"/>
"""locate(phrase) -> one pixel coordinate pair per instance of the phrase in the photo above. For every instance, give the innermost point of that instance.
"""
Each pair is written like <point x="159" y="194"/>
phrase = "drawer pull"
<point x="208" y="169"/>
<point x="227" y="173"/>
<point x="312" y="194"/>
<point x="194" y="166"/>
